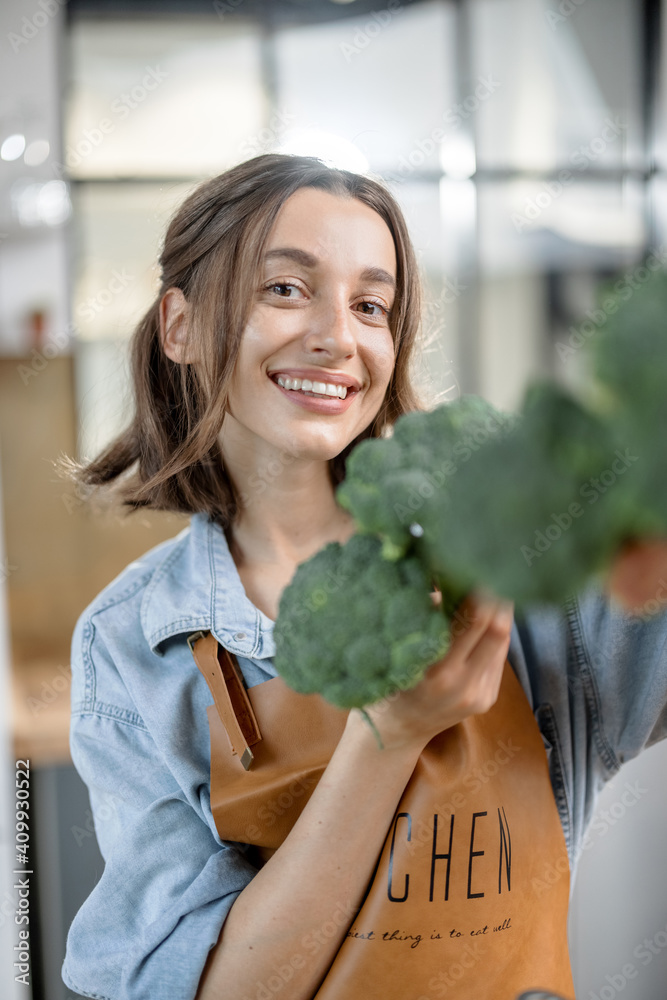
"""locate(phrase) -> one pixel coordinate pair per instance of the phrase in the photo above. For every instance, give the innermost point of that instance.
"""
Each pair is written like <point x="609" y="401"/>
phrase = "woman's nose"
<point x="332" y="328"/>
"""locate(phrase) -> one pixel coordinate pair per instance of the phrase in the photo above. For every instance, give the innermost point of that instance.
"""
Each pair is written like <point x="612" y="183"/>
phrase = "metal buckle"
<point x="192" y="639"/>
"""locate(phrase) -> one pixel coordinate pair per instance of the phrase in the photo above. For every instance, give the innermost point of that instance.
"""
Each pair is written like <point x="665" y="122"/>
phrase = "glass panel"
<point x="528" y="225"/>
<point x="162" y="98"/>
<point x="567" y="86"/>
<point x="657" y="193"/>
<point x="660" y="146"/>
<point x="437" y="243"/>
<point x="118" y="232"/>
<point x="383" y="82"/>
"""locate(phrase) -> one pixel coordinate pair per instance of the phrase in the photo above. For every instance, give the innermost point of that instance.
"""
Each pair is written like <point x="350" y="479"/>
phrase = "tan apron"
<point x="470" y="896"/>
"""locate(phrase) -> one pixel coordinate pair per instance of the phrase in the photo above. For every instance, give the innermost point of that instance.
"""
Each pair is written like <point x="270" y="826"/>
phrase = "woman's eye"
<point x="375" y="309"/>
<point x="282" y="288"/>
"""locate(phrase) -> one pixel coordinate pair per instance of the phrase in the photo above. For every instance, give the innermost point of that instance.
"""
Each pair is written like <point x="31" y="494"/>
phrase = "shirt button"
<point x="239" y="635"/>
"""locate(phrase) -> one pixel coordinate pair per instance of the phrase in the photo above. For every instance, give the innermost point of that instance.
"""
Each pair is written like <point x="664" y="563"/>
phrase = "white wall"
<point x="620" y="895"/>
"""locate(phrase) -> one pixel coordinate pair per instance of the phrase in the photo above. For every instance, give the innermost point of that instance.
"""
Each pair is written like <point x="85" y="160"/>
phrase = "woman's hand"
<point x="638" y="577"/>
<point x="464" y="682"/>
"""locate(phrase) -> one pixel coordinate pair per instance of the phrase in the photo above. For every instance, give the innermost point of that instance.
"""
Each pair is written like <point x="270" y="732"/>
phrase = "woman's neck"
<point x="287" y="507"/>
<point x="288" y="532"/>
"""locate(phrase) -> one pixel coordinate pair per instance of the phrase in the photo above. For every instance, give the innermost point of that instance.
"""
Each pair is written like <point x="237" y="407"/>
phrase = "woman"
<point x="285" y="269"/>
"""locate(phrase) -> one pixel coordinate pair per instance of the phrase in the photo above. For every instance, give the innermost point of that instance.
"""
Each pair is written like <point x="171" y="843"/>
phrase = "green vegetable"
<point x="525" y="517"/>
<point x="398" y="487"/>
<point x="355" y="627"/>
<point x="630" y="361"/>
<point x="529" y="506"/>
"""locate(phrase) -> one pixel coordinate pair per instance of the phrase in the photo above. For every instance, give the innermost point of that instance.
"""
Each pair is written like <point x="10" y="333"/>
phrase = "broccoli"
<point x="524" y="517"/>
<point x="529" y="506"/>
<point x="396" y="486"/>
<point x="355" y="627"/>
<point x="630" y="362"/>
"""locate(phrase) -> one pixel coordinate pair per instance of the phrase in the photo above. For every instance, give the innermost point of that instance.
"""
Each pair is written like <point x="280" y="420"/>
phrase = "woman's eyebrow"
<point x="309" y="260"/>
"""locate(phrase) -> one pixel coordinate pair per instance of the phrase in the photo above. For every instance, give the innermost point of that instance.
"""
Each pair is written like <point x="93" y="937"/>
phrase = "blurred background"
<point x="527" y="143"/>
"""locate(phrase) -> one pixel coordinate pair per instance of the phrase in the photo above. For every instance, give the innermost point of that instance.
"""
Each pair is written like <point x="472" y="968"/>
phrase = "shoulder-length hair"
<point x="169" y="457"/>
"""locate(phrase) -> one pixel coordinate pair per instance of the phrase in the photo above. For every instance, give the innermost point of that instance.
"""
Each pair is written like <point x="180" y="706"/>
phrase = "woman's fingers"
<point x="465" y="681"/>
<point x="496" y="636"/>
<point x="475" y="615"/>
<point x="480" y="639"/>
<point x="639" y="572"/>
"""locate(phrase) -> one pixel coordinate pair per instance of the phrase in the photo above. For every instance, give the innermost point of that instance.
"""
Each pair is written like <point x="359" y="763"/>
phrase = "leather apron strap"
<point x="229" y="694"/>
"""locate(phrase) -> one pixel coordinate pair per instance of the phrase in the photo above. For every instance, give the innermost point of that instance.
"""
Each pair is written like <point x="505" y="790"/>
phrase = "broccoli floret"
<point x="395" y="487"/>
<point x="524" y="517"/>
<point x="630" y="362"/>
<point x="355" y="627"/>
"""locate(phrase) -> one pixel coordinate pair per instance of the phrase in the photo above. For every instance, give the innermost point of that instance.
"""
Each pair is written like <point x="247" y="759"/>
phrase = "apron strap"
<point x="224" y="679"/>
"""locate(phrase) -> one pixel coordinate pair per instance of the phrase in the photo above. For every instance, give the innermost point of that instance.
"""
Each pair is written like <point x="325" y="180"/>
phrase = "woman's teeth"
<point x="312" y="388"/>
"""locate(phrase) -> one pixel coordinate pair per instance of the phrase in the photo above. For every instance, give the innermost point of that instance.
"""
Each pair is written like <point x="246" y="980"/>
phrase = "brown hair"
<point x="169" y="458"/>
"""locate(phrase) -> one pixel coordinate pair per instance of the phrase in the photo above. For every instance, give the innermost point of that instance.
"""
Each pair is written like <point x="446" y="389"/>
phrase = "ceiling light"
<point x="12" y="147"/>
<point x="332" y="149"/>
<point x="36" y="153"/>
<point x="38" y="204"/>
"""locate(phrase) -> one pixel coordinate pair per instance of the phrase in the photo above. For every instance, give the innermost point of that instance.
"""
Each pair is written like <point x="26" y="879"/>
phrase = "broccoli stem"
<point x="374" y="728"/>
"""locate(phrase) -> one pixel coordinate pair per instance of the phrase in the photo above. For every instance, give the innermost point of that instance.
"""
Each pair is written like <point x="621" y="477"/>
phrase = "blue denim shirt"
<point x="595" y="676"/>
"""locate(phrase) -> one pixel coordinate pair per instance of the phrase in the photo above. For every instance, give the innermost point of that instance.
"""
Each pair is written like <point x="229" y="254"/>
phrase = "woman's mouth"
<point x="320" y="397"/>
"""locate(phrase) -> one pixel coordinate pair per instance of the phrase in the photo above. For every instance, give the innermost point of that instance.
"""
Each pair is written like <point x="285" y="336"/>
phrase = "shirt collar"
<point x="197" y="586"/>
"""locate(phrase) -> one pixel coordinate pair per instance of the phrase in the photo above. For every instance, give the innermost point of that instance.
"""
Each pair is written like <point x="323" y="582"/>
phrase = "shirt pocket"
<point x="546" y="720"/>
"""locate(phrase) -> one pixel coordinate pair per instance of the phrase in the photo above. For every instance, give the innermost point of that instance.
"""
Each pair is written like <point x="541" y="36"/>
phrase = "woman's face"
<point x="321" y="313"/>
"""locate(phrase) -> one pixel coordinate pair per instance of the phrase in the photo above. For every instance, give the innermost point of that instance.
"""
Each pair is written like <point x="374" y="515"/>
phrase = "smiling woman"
<point x="282" y="336"/>
<point x="251" y="258"/>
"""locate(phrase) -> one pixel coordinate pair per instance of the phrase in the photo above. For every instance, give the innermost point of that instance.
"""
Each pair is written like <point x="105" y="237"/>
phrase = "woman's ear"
<point x="174" y="312"/>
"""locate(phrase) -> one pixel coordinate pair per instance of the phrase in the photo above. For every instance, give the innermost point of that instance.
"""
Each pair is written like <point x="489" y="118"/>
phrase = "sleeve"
<point x="596" y="678"/>
<point x="146" y="929"/>
<point x="622" y="661"/>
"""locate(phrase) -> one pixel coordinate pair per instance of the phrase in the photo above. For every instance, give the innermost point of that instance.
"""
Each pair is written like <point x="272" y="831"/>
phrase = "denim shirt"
<point x="595" y="676"/>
